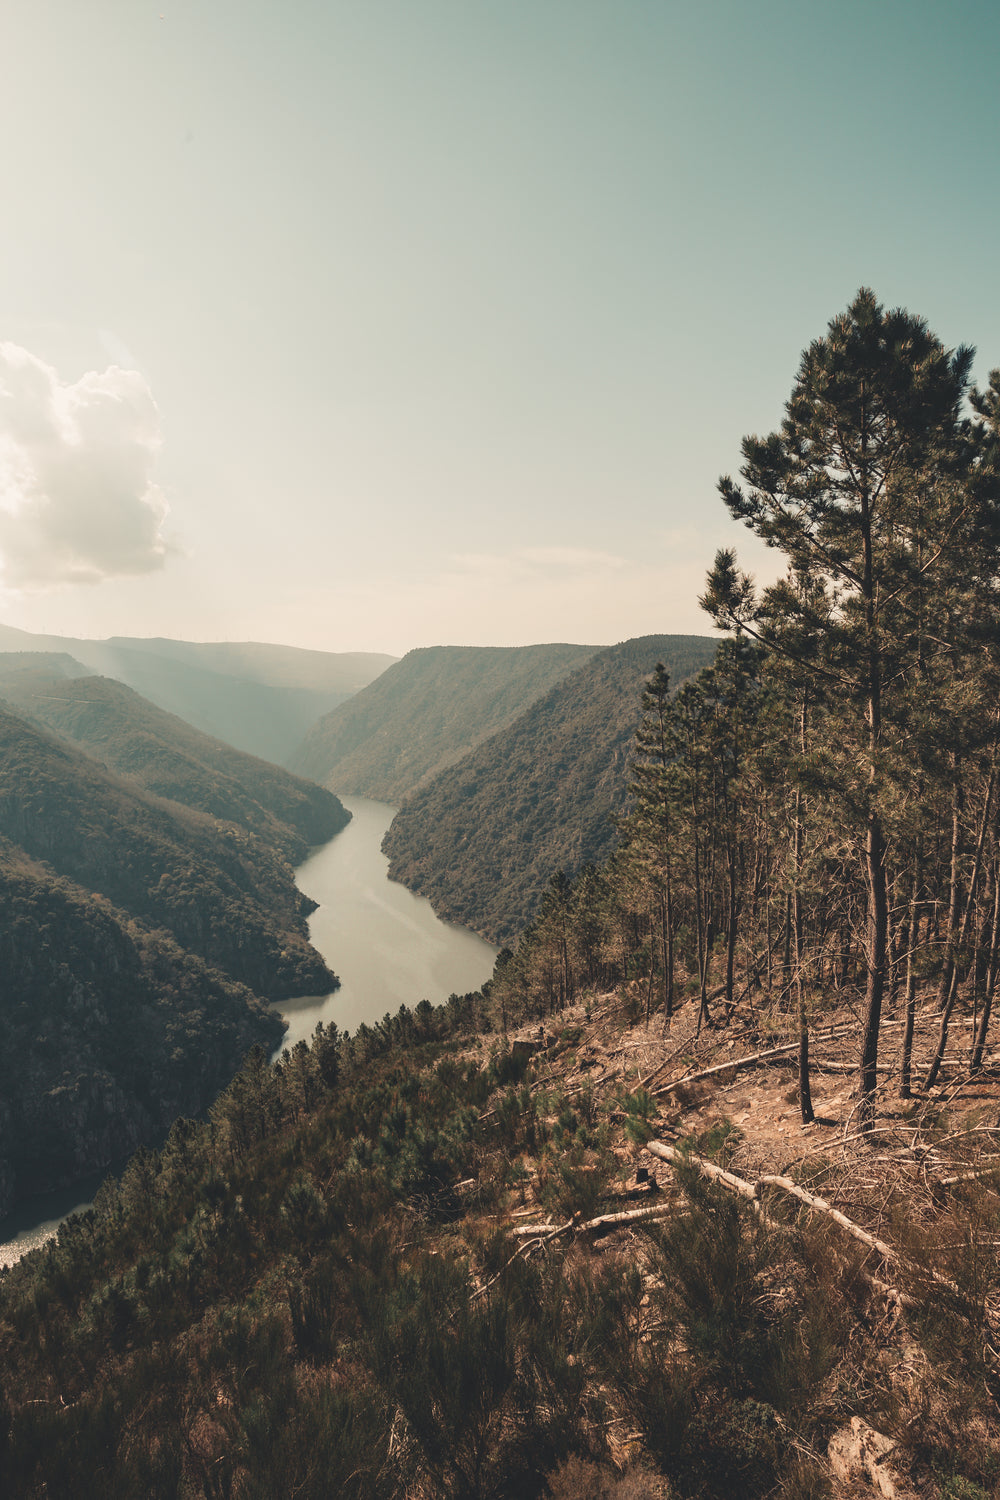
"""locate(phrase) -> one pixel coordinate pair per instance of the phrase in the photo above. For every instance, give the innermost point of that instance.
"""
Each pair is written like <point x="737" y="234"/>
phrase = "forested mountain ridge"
<point x="260" y="698"/>
<point x="426" y="712"/>
<point x="138" y="939"/>
<point x="484" y="838"/>
<point x="268" y="663"/>
<point x="165" y="755"/>
<point x="222" y="893"/>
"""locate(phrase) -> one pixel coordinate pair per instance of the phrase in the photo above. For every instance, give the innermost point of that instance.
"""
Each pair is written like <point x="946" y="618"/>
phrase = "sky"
<point x="393" y="323"/>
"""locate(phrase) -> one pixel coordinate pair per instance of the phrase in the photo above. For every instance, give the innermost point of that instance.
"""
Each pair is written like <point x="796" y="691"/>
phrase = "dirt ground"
<point x="953" y="1127"/>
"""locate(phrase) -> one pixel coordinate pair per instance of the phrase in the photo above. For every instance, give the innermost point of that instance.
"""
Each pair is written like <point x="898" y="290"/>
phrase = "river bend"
<point x="386" y="945"/>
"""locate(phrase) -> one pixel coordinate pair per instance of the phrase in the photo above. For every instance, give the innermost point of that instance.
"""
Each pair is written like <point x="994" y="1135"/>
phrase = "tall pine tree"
<point x="870" y="487"/>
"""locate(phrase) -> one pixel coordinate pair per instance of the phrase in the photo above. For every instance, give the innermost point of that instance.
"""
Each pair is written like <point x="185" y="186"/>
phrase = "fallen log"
<point x="746" y="1062"/>
<point x="707" y="1168"/>
<point x="837" y="1067"/>
<point x="751" y="1190"/>
<point x="811" y="1200"/>
<point x="590" y="1226"/>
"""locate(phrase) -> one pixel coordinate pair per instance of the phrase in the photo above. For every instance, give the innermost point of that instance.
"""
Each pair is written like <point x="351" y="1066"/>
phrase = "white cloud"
<point x="77" y="499"/>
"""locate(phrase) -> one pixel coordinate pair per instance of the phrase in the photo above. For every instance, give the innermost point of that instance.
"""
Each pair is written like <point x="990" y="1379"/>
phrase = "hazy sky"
<point x="380" y="324"/>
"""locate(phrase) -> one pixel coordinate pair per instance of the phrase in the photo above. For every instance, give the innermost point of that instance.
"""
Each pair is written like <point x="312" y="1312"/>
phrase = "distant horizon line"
<point x="356" y="651"/>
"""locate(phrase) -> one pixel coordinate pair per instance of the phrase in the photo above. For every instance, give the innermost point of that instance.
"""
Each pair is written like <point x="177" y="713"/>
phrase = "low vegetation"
<point x="417" y="1262"/>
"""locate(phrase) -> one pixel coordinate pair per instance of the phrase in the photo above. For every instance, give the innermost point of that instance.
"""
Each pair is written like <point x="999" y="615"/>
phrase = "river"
<point x="384" y="943"/>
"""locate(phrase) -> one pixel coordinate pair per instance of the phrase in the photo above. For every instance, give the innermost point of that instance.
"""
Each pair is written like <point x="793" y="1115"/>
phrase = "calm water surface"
<point x="384" y="943"/>
<point x="36" y="1219"/>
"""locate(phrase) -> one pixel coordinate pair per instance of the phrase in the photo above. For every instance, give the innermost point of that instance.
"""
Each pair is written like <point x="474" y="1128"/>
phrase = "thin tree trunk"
<point x="956" y="941"/>
<point x="667" y="944"/>
<point x="845" y="954"/>
<point x="991" y="975"/>
<point x="805" y="1092"/>
<point x="948" y="962"/>
<point x="906" y="1051"/>
<point x="699" y="908"/>
<point x="878" y="913"/>
<point x="731" y="931"/>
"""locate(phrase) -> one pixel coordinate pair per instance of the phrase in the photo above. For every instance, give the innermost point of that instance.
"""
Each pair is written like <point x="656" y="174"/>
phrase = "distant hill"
<point x="165" y="755"/>
<point x="222" y="893"/>
<point x="261" y="698"/>
<point x="425" y="713"/>
<point x="483" y="839"/>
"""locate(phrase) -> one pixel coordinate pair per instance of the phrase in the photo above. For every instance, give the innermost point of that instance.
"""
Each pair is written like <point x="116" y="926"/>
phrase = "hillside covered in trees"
<point x="483" y="839"/>
<point x="161" y="753"/>
<point x="426" y="712"/>
<point x="109" y="1030"/>
<point x="222" y="894"/>
<point x="698" y="1197"/>
<point x="140" y="939"/>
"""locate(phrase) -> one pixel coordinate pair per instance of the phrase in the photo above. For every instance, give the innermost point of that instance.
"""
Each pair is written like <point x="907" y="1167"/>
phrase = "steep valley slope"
<point x="425" y="713"/>
<point x="165" y="755"/>
<point x="139" y="942"/>
<point x="109" y="1030"/>
<point x="222" y="893"/>
<point x="483" y="839"/>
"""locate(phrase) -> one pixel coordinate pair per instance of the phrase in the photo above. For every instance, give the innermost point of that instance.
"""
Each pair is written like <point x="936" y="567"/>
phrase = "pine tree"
<point x="876" y="487"/>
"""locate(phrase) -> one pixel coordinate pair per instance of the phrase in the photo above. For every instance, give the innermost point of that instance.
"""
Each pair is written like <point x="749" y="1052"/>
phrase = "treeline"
<point x="817" y="811"/>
